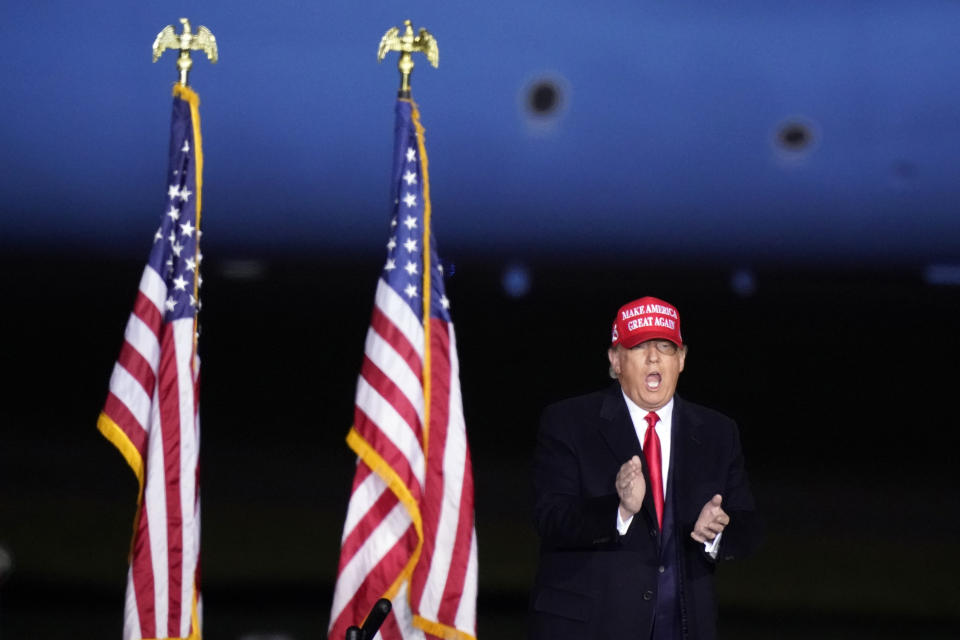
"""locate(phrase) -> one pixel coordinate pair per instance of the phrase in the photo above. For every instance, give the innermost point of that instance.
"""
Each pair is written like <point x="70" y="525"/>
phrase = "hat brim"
<point x="628" y="342"/>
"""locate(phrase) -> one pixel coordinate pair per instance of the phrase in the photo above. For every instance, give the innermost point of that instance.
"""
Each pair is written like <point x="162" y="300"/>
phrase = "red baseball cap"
<point x="645" y="319"/>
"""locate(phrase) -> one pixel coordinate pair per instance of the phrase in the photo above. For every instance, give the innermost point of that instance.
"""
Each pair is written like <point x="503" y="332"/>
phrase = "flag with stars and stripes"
<point x="151" y="413"/>
<point x="409" y="534"/>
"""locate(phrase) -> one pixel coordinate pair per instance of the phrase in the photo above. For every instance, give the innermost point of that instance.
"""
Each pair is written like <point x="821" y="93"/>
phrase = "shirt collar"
<point x="638" y="414"/>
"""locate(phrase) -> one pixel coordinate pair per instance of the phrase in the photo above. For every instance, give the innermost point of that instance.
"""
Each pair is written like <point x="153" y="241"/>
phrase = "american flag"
<point x="151" y="413"/>
<point x="409" y="534"/>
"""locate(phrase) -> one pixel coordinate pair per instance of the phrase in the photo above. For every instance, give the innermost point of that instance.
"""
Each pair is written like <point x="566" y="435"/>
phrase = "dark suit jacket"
<point x="594" y="583"/>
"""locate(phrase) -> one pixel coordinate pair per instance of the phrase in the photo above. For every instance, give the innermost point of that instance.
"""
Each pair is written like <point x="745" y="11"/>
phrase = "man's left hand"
<point x="713" y="519"/>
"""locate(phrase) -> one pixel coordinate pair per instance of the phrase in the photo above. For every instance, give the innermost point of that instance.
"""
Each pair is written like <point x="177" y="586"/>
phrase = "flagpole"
<point x="414" y="475"/>
<point x="156" y="424"/>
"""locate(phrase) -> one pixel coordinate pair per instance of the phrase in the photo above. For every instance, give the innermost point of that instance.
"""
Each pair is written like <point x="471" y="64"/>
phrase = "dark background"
<point x="842" y="381"/>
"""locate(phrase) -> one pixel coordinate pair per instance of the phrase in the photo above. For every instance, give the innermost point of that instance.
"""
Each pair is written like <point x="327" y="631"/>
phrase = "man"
<point x="639" y="494"/>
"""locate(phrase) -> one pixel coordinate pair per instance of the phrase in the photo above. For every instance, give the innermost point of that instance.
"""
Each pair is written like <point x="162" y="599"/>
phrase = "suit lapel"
<point x="686" y="451"/>
<point x="618" y="430"/>
<point x="616" y="426"/>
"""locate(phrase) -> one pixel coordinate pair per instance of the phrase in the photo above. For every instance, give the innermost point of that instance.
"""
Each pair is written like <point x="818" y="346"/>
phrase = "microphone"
<point x="377" y="615"/>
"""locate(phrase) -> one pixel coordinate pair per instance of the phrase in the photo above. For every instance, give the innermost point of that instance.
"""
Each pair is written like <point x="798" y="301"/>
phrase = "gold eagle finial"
<point x="202" y="40"/>
<point x="407" y="44"/>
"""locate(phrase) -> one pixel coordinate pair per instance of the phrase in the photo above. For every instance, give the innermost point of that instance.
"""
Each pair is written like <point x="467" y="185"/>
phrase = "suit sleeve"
<point x="745" y="532"/>
<point x="565" y="518"/>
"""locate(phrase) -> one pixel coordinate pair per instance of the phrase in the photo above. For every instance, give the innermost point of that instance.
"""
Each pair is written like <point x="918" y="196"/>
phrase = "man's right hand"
<point x="631" y="487"/>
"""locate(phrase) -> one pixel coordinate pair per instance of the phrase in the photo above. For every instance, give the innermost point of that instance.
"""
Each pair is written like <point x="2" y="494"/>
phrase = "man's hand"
<point x="712" y="521"/>
<point x="631" y="487"/>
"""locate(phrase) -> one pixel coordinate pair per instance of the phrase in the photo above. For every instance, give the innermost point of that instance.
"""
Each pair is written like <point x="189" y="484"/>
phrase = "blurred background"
<point x="784" y="172"/>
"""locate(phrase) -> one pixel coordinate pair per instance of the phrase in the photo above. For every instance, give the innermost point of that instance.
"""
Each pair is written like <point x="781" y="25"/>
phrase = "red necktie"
<point x="651" y="451"/>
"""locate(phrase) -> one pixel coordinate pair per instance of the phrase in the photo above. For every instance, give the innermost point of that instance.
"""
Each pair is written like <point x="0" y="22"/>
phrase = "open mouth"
<point x="653" y="381"/>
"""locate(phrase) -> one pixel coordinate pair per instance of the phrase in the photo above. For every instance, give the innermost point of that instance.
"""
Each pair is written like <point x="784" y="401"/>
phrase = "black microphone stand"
<point x="376" y="617"/>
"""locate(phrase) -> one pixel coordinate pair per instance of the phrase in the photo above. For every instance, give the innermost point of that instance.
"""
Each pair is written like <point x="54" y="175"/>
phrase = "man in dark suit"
<point x="639" y="494"/>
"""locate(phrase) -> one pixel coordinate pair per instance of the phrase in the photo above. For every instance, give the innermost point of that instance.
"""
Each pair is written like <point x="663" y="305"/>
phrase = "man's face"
<point x="648" y="372"/>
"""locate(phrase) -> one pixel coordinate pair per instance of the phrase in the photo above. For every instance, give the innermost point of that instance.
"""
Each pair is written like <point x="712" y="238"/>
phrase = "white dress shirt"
<point x="664" y="429"/>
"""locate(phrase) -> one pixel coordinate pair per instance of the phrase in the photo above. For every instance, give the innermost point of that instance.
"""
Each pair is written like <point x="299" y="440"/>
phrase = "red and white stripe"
<point x="152" y="406"/>
<point x="433" y="486"/>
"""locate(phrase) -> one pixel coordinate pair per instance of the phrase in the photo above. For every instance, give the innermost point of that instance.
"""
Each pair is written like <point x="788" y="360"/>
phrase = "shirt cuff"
<point x="622" y="525"/>
<point x="712" y="547"/>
